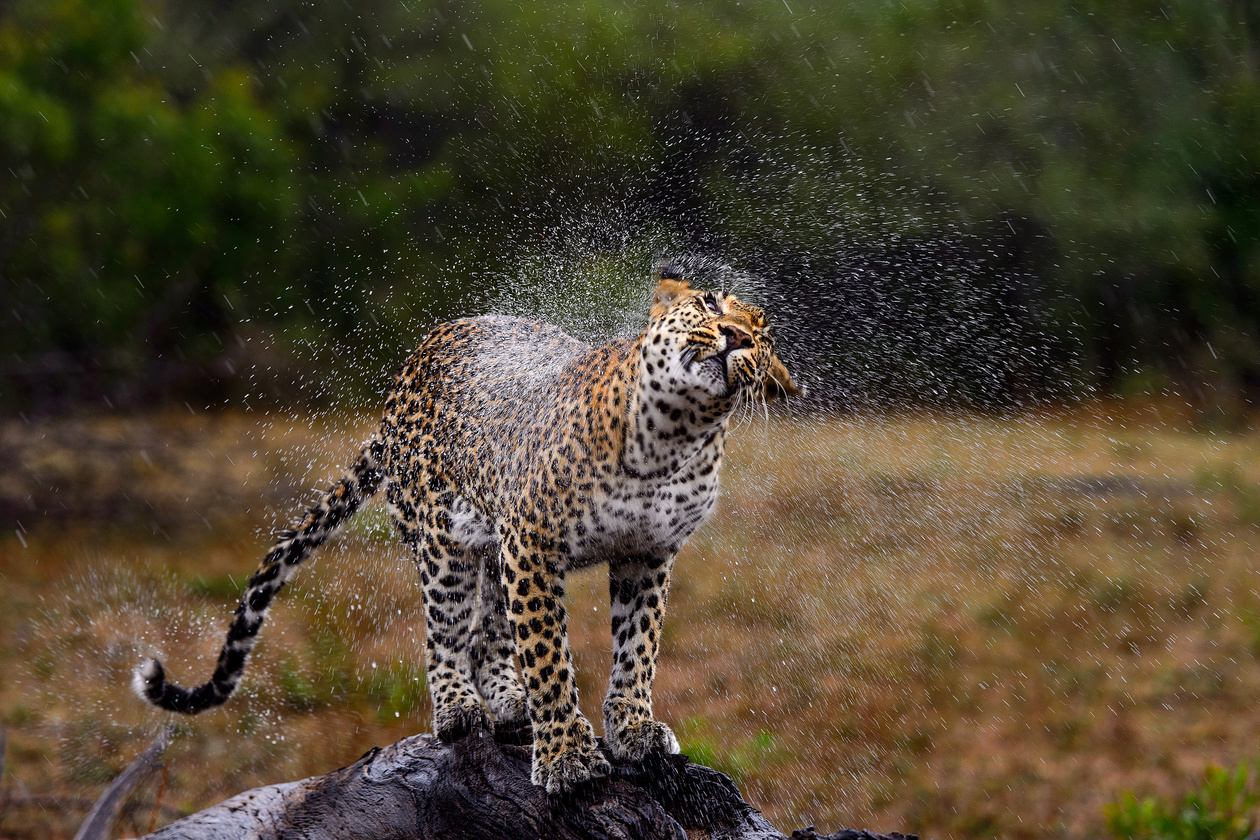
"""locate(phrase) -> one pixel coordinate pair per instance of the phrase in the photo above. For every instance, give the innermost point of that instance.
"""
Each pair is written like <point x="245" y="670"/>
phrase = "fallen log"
<point x="479" y="788"/>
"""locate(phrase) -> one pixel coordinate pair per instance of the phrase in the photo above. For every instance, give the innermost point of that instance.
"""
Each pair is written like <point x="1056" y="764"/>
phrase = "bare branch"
<point x="100" y="820"/>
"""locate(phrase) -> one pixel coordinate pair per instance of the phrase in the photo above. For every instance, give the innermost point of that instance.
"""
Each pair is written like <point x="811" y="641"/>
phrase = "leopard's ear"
<point x="779" y="384"/>
<point x="666" y="270"/>
<point x="668" y="290"/>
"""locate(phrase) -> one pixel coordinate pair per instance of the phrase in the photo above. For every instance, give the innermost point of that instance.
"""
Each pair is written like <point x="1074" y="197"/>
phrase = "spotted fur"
<point x="512" y="454"/>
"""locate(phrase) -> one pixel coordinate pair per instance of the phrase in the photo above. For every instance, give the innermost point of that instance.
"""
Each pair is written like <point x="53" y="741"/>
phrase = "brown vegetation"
<point x="959" y="626"/>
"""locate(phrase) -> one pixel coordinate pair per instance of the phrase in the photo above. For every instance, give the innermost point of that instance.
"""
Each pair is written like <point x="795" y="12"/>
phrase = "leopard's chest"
<point x="644" y="516"/>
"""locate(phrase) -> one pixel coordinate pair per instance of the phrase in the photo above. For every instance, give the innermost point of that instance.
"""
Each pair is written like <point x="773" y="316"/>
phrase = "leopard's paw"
<point x="513" y="712"/>
<point x="456" y="720"/>
<point x="638" y="740"/>
<point x="569" y="759"/>
<point x="511" y="724"/>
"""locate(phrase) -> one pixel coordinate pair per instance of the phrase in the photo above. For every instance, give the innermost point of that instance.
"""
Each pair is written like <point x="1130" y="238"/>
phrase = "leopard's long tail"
<point x="292" y="547"/>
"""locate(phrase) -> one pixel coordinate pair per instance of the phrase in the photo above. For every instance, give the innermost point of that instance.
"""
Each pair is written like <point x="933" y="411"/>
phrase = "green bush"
<point x="135" y="217"/>
<point x="395" y="690"/>
<point x="1225" y="806"/>
<point x="737" y="761"/>
<point x="341" y="175"/>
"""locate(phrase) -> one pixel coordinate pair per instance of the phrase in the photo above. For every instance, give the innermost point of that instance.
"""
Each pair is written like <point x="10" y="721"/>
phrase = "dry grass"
<point x="958" y="626"/>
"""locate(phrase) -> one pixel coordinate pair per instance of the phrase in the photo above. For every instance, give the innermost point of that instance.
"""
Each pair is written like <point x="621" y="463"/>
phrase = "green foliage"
<point x="298" y="691"/>
<point x="344" y="174"/>
<point x="390" y="692"/>
<point x="395" y="691"/>
<point x="219" y="587"/>
<point x="735" y="762"/>
<point x="1223" y="807"/>
<point x="132" y="217"/>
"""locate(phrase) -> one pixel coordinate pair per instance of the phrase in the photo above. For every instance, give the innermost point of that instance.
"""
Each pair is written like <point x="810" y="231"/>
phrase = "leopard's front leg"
<point x="638" y="588"/>
<point x="565" y="752"/>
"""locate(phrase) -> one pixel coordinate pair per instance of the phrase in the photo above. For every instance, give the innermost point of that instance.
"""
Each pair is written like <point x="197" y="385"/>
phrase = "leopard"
<point x="512" y="455"/>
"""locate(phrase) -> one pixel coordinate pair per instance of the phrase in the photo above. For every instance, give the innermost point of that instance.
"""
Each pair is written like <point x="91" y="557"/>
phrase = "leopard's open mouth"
<point x="721" y="367"/>
<point x="718" y="366"/>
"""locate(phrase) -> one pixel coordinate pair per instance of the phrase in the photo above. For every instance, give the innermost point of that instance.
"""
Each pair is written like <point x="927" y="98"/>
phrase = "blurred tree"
<point x="134" y="221"/>
<point x="1123" y="134"/>
<point x="1006" y="179"/>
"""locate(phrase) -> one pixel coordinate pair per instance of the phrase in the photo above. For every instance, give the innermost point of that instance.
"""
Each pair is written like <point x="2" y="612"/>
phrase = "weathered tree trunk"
<point x="477" y="788"/>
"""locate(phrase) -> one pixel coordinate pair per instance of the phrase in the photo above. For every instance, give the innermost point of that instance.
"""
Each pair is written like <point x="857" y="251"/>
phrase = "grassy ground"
<point x="954" y="625"/>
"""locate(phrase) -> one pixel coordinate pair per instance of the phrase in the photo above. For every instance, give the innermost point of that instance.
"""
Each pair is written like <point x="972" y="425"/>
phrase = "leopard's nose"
<point x="736" y="338"/>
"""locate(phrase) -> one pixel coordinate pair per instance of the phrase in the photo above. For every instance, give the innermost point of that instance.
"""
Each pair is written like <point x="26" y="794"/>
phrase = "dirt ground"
<point x="959" y="626"/>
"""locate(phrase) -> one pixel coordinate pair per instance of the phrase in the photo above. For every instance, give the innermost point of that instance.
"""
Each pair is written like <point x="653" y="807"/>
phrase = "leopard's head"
<point x="713" y="342"/>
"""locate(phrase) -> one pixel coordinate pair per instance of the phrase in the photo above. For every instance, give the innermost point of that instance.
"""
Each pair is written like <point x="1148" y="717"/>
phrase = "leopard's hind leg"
<point x="449" y="577"/>
<point x="494" y="654"/>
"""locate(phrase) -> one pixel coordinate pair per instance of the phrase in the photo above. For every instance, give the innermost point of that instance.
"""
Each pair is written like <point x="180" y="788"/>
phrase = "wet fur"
<point x="511" y="454"/>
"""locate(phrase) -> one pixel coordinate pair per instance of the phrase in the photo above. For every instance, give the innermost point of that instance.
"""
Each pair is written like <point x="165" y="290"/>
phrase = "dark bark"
<point x="477" y="788"/>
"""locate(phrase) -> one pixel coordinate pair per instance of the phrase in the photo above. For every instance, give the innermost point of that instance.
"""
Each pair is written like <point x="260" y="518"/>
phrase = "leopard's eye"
<point x="711" y="301"/>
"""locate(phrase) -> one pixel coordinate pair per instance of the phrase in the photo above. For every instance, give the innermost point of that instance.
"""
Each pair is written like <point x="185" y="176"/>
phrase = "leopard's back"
<point x="504" y="407"/>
